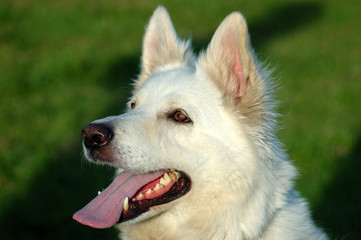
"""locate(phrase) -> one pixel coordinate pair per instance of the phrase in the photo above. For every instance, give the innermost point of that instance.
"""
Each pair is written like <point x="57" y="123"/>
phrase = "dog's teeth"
<point x="165" y="180"/>
<point x="158" y="187"/>
<point x="162" y="181"/>
<point x="150" y="191"/>
<point x="174" y="175"/>
<point x="126" y="204"/>
<point x="99" y="192"/>
<point x="133" y="199"/>
<point x="140" y="196"/>
<point x="177" y="174"/>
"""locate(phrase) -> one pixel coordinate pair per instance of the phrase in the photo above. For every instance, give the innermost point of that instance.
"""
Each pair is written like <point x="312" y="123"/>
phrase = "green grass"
<point x="66" y="63"/>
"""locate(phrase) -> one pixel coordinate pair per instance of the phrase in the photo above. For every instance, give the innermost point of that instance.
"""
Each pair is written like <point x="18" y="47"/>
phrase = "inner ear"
<point x="228" y="58"/>
<point x="236" y="65"/>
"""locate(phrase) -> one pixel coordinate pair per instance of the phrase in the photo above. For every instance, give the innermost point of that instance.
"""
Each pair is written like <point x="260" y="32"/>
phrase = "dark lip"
<point x="178" y="190"/>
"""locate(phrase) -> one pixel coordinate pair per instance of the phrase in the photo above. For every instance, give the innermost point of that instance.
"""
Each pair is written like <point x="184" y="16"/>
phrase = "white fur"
<point x="241" y="178"/>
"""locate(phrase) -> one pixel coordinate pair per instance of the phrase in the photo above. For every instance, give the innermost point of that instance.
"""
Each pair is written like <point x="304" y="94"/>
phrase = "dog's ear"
<point x="229" y="61"/>
<point x="161" y="46"/>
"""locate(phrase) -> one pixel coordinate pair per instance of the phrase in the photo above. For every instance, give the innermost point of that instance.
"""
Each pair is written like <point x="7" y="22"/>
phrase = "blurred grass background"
<point x="66" y="63"/>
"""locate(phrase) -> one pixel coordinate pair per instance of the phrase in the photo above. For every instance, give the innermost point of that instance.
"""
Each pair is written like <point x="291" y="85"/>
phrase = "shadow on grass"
<point x="340" y="208"/>
<point x="45" y="212"/>
<point x="279" y="21"/>
<point x="284" y="20"/>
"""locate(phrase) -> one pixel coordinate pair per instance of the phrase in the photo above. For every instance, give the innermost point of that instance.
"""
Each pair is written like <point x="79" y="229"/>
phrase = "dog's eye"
<point x="180" y="116"/>
<point x="132" y="105"/>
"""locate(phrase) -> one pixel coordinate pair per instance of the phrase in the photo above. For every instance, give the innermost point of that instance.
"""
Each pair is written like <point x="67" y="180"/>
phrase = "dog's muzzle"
<point x="131" y="193"/>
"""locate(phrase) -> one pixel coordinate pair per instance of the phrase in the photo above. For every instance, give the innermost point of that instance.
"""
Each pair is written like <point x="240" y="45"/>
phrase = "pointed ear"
<point x="229" y="62"/>
<point x="161" y="46"/>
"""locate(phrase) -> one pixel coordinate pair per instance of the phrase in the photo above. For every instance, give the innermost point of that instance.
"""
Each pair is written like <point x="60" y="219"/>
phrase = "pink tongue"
<point x="105" y="210"/>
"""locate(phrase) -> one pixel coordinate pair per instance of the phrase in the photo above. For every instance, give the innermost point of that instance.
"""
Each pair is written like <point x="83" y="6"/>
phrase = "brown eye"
<point x="132" y="105"/>
<point x="181" y="117"/>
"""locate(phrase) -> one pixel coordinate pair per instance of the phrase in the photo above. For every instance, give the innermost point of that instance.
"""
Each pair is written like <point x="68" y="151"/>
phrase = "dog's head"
<point x="186" y="127"/>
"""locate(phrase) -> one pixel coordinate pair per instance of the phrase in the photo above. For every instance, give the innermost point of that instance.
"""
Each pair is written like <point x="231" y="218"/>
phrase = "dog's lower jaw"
<point x="148" y="229"/>
<point x="161" y="222"/>
<point x="169" y="226"/>
<point x="178" y="221"/>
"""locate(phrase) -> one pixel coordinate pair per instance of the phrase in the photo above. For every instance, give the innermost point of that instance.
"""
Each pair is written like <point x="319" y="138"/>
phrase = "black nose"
<point x="96" y="135"/>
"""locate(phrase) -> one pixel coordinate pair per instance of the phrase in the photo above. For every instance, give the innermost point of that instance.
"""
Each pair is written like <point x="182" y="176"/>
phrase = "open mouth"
<point x="130" y="195"/>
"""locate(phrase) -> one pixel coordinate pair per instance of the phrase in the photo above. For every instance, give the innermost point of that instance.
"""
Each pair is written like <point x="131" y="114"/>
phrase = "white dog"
<point x="196" y="152"/>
